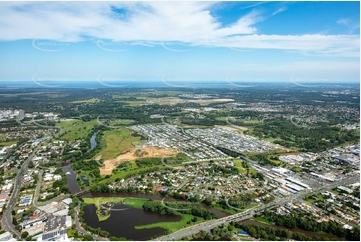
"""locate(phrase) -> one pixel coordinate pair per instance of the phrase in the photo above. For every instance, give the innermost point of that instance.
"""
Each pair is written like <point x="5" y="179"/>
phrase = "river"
<point x="71" y="175"/>
<point x="93" y="142"/>
<point x="71" y="179"/>
<point x="121" y="223"/>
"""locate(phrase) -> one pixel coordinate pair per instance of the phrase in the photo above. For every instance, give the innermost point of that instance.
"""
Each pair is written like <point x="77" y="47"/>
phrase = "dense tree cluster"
<point x="174" y="207"/>
<point x="308" y="222"/>
<point x="148" y="162"/>
<point x="229" y="152"/>
<point x="272" y="234"/>
<point x="306" y="139"/>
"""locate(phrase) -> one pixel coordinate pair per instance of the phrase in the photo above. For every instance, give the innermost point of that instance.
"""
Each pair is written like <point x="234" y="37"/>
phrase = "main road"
<point x="208" y="225"/>
<point x="7" y="216"/>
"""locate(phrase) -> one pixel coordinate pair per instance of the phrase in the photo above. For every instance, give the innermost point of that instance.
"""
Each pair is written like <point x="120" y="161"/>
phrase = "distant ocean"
<point x="150" y="84"/>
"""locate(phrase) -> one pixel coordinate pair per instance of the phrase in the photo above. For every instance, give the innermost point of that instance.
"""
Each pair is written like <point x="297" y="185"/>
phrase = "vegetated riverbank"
<point x="103" y="205"/>
<point x="261" y="230"/>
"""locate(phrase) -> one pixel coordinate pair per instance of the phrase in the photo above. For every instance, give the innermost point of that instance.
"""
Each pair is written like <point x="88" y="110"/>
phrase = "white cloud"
<point x="315" y="42"/>
<point x="156" y="22"/>
<point x="307" y="71"/>
<point x="349" y="24"/>
<point x="280" y="10"/>
<point x="344" y="21"/>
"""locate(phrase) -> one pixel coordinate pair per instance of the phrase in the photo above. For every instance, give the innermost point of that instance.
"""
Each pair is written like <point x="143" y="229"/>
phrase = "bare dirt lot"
<point x="232" y="127"/>
<point x="136" y="153"/>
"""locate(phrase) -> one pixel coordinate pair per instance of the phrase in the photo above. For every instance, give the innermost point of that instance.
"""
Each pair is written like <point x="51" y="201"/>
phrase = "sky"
<point x="178" y="42"/>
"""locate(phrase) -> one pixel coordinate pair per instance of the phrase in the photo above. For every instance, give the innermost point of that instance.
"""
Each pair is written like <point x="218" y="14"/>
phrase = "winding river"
<point x="93" y="142"/>
<point x="68" y="170"/>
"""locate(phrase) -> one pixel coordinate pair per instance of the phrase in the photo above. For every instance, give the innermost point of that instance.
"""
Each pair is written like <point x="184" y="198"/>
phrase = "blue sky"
<point x="180" y="41"/>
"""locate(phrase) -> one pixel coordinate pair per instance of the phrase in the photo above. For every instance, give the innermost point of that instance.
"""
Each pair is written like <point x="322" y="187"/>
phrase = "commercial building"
<point x="290" y="179"/>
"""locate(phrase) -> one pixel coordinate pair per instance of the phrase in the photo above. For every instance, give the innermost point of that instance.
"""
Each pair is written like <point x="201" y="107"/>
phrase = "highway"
<point x="206" y="226"/>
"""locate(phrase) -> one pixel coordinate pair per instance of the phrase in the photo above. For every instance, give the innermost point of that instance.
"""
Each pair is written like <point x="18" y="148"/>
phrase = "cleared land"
<point x="232" y="127"/>
<point x="133" y="154"/>
<point x="92" y="100"/>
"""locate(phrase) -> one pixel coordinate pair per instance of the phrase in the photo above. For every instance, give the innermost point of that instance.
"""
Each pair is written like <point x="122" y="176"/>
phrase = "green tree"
<point x="24" y="235"/>
<point x="88" y="237"/>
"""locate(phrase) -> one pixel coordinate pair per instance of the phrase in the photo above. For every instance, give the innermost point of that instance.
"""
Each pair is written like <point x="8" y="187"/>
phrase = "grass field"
<point x="276" y="162"/>
<point x="134" y="103"/>
<point x="297" y="169"/>
<point x="227" y="210"/>
<point x="252" y="122"/>
<point x="244" y="121"/>
<point x="238" y="164"/>
<point x="8" y="143"/>
<point x="76" y="129"/>
<point x="92" y="100"/>
<point x="310" y="200"/>
<point x="321" y="197"/>
<point x="102" y="200"/>
<point x="271" y="139"/>
<point x="171" y="226"/>
<point x="334" y="191"/>
<point x="114" y="141"/>
<point x="135" y="202"/>
<point x="121" y="122"/>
